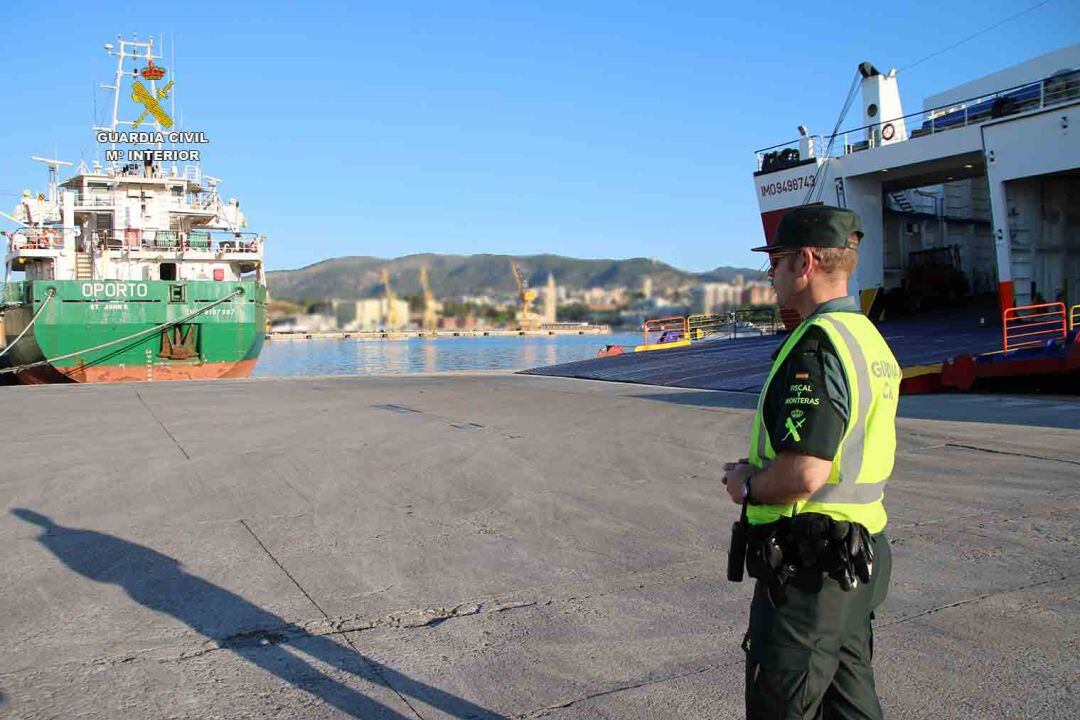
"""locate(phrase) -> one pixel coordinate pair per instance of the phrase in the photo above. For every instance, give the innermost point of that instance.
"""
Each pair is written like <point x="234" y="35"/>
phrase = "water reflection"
<point x="372" y="357"/>
<point x="431" y="355"/>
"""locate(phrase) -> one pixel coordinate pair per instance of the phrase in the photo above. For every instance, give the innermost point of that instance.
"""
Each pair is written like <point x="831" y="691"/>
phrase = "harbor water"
<point x="281" y="358"/>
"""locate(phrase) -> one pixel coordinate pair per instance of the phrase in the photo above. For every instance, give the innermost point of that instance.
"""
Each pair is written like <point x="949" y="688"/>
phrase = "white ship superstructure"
<point x="985" y="180"/>
<point x="127" y="221"/>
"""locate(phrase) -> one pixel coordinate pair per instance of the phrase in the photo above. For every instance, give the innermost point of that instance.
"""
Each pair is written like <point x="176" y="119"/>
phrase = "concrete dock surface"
<point x="491" y="546"/>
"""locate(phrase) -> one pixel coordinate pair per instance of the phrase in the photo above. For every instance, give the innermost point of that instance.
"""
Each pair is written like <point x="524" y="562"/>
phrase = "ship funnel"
<point x="882" y="111"/>
<point x="868" y="70"/>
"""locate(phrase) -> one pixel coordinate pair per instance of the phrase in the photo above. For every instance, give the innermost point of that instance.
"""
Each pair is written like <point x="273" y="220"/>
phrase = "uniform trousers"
<point x="809" y="655"/>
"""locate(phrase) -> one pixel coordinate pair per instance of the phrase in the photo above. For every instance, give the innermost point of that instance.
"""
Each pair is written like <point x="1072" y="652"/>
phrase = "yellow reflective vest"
<point x="864" y="459"/>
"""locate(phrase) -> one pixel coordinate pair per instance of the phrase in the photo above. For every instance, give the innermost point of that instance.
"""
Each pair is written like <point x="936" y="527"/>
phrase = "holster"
<point x="803" y="549"/>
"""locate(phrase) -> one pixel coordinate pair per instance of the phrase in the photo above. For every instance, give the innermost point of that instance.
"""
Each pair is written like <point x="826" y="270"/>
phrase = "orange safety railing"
<point x="1032" y="326"/>
<point x="1074" y="316"/>
<point x="662" y="330"/>
<point x="37" y="239"/>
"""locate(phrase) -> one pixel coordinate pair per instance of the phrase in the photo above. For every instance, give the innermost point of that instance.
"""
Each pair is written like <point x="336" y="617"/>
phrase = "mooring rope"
<point x="29" y="325"/>
<point x="162" y="326"/>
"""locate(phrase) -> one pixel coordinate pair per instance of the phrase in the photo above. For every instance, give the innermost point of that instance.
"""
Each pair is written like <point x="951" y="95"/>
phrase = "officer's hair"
<point x="843" y="261"/>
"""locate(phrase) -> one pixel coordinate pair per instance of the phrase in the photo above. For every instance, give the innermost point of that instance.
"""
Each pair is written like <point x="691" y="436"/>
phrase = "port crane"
<point x="391" y="302"/>
<point x="527" y="318"/>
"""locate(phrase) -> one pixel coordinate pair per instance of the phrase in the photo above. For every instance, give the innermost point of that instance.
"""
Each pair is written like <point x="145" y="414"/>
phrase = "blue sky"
<point x="606" y="129"/>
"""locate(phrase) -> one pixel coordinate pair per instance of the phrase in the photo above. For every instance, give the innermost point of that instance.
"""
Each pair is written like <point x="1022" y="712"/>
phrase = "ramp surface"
<point x="741" y="365"/>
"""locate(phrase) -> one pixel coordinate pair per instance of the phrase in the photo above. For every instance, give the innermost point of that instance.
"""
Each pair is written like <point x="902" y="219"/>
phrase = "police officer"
<point x="821" y="448"/>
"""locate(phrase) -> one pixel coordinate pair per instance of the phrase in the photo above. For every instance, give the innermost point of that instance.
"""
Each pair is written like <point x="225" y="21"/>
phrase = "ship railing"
<point x="1033" y="326"/>
<point x="107" y="199"/>
<point x="210" y="241"/>
<point x="192" y="203"/>
<point x="1056" y="89"/>
<point x="663" y="330"/>
<point x="734" y="323"/>
<point x="192" y="173"/>
<point x="705" y="325"/>
<point x="37" y="239"/>
<point x="103" y="198"/>
<point x="757" y="320"/>
<point x="1074" y="317"/>
<point x="752" y="321"/>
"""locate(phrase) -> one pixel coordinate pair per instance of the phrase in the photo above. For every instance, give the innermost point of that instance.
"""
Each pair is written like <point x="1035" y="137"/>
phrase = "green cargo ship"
<point x="167" y="331"/>
<point x="132" y="271"/>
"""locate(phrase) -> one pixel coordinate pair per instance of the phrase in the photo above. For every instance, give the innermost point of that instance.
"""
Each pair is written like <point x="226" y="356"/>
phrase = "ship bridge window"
<point x="167" y="271"/>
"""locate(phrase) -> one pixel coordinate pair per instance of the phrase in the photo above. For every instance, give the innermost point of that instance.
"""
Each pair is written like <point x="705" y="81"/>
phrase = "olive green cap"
<point x="821" y="226"/>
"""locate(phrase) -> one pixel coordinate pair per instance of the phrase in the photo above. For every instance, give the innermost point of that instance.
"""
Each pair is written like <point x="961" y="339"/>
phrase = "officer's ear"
<point x="804" y="262"/>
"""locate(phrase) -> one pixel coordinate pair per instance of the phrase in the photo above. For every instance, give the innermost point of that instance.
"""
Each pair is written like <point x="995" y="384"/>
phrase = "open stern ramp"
<point x="741" y="365"/>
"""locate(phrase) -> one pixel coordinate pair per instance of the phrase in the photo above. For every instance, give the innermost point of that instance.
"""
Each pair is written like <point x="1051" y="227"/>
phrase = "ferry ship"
<point x="974" y="195"/>
<point x="133" y="269"/>
<point x="970" y="260"/>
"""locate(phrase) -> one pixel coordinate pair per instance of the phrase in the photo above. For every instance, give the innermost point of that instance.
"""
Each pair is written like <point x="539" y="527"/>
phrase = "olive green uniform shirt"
<point x="812" y="380"/>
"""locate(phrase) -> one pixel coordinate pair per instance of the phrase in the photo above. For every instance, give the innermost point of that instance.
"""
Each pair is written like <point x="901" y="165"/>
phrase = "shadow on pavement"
<point x="1028" y="411"/>
<point x="159" y="582"/>
<point x="706" y="398"/>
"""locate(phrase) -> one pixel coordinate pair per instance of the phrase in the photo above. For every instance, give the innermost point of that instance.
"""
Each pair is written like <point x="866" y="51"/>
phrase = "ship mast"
<point x="139" y="51"/>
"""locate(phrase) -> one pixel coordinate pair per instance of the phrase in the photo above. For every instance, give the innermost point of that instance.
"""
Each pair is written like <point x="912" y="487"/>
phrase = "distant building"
<point x="759" y="293"/>
<point x="369" y="314"/>
<point x="646" y="287"/>
<point x="551" y="300"/>
<point x="711" y="298"/>
<point x="308" y="323"/>
<point x="458" y="323"/>
<point x="602" y="299"/>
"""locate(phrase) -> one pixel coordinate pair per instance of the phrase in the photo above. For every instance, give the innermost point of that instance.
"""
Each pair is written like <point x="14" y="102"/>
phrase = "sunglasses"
<point x="775" y="258"/>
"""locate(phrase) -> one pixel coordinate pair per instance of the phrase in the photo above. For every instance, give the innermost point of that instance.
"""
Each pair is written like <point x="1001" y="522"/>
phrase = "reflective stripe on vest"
<point x="846" y="490"/>
<point x="866" y="451"/>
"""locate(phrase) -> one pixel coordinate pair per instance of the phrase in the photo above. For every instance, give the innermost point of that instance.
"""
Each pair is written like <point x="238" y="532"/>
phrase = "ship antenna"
<point x="54" y="171"/>
<point x="852" y="91"/>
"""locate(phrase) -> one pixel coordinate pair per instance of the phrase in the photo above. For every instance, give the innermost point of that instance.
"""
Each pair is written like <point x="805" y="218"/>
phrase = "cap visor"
<point x="766" y="248"/>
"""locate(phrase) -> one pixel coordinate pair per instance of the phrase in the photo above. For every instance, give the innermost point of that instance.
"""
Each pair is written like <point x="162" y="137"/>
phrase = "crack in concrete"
<point x="541" y="712"/>
<point x="402" y="619"/>
<point x="971" y="600"/>
<point x="1009" y="452"/>
<point x="154" y="415"/>
<point x="412" y="618"/>
<point x="374" y="668"/>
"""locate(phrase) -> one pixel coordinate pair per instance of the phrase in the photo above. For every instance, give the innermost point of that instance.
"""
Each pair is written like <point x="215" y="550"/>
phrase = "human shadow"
<point x="159" y="582"/>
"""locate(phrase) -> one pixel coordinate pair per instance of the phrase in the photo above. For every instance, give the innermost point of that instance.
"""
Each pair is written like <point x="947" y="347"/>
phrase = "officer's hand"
<point x="735" y="475"/>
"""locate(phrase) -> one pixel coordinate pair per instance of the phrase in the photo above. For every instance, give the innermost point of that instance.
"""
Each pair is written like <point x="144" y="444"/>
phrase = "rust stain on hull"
<point x="160" y="373"/>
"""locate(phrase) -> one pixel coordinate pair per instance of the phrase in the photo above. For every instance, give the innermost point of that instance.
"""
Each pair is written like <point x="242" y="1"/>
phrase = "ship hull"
<point x="151" y="331"/>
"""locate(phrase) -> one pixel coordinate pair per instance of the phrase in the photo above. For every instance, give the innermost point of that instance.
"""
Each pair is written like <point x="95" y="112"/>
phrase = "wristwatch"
<point x="746" y="489"/>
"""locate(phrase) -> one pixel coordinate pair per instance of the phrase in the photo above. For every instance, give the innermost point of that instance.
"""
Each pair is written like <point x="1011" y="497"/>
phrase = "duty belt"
<point x="802" y="550"/>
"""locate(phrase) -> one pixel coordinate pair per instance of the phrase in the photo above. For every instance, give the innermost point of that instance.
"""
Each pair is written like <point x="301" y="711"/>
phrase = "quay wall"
<point x="406" y="334"/>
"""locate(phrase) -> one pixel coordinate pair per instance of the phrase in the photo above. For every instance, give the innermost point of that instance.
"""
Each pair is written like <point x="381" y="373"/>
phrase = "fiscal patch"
<point x="799" y="399"/>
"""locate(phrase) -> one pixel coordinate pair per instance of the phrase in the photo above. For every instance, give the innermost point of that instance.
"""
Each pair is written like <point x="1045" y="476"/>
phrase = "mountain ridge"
<point x="359" y="276"/>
